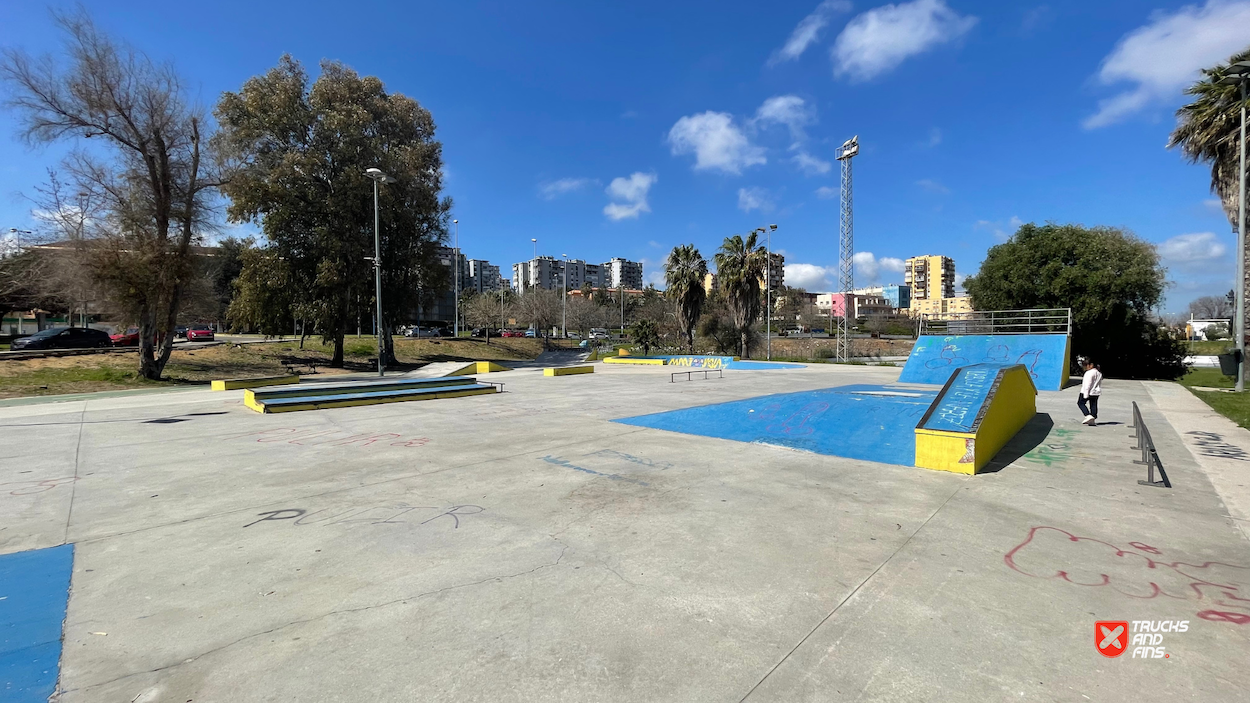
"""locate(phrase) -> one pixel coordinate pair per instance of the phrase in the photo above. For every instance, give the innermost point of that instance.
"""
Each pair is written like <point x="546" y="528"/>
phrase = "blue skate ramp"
<point x="934" y="357"/>
<point x="872" y="423"/>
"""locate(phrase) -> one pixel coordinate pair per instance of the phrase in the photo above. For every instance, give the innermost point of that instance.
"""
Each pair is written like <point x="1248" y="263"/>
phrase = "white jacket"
<point x="1092" y="383"/>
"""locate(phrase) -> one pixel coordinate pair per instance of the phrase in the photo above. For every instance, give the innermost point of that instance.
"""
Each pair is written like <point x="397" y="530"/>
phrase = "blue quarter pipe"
<point x="935" y="358"/>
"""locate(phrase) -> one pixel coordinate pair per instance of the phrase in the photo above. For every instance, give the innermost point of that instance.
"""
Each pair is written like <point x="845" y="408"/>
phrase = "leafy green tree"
<point x="263" y="295"/>
<point x="1110" y="279"/>
<point x="684" y="271"/>
<point x="297" y="155"/>
<point x="1208" y="131"/>
<point x="740" y="267"/>
<point x="646" y="334"/>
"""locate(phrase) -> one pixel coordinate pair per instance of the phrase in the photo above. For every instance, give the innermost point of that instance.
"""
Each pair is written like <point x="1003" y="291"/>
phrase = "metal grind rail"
<point x="1149" y="457"/>
<point x="720" y="373"/>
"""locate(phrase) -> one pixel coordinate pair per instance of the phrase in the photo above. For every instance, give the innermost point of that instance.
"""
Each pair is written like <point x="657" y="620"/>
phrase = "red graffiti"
<point x="1052" y="553"/>
<point x="25" y="488"/>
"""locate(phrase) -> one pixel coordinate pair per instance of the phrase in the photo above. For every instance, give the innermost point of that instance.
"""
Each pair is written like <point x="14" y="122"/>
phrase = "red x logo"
<point x="1111" y="637"/>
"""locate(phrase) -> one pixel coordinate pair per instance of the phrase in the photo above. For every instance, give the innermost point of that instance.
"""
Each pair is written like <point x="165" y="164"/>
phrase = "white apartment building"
<point x="548" y="272"/>
<point x="483" y="276"/>
<point x="622" y="272"/>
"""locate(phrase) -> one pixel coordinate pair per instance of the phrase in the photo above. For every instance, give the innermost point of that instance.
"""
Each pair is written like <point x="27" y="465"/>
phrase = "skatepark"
<point x="620" y="535"/>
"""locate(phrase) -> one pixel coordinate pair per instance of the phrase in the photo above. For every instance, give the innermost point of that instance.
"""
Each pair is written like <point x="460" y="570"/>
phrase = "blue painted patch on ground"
<point x="934" y="358"/>
<point x="762" y="365"/>
<point x="873" y="423"/>
<point x="34" y="587"/>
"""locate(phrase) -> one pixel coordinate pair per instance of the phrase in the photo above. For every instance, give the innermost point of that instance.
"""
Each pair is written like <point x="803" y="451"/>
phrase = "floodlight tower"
<point x="846" y="258"/>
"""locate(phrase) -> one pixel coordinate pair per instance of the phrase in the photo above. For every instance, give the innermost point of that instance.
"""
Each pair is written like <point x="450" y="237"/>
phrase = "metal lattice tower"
<point x="846" y="257"/>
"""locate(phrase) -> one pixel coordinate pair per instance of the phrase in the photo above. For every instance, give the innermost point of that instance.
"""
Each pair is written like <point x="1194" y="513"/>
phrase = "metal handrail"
<point x="673" y="379"/>
<point x="1149" y="457"/>
<point x="1028" y="321"/>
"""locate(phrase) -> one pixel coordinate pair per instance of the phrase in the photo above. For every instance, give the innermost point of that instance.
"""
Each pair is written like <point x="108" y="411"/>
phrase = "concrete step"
<point x="453" y="389"/>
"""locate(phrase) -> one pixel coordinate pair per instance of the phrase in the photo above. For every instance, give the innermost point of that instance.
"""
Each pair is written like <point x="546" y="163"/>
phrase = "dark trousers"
<point x="1093" y="405"/>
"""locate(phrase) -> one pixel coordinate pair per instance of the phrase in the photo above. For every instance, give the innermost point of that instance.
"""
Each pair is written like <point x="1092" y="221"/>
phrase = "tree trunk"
<point x="745" y="333"/>
<point x="336" y="361"/>
<point x="487" y="336"/>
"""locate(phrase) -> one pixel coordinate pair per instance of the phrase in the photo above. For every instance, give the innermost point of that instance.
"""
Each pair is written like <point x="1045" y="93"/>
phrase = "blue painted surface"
<point x="35" y="590"/>
<point x="934" y="358"/>
<point x="957" y="409"/>
<point x="874" y="423"/>
<point x="763" y="365"/>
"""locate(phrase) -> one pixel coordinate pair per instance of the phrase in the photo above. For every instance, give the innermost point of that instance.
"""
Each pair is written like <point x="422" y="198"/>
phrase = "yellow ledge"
<point x="479" y="367"/>
<point x="569" y="371"/>
<point x="237" y="383"/>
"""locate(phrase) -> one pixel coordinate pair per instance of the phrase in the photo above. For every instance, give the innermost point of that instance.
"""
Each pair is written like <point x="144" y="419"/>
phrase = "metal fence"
<point x="1033" y="321"/>
<point x="1149" y="457"/>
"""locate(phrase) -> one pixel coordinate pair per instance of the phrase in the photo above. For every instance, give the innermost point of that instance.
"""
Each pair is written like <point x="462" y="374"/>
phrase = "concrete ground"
<point x="521" y="546"/>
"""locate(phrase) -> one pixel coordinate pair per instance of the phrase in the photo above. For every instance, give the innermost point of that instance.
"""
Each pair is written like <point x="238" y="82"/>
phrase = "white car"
<point x="599" y="333"/>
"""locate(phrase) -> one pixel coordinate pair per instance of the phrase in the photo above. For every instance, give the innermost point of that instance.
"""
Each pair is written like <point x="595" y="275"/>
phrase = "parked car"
<point x="530" y="334"/>
<point x="64" y="338"/>
<point x="572" y="335"/>
<point x="200" y="333"/>
<point x="129" y="338"/>
<point x="425" y="332"/>
<point x="512" y="333"/>
<point x="180" y="332"/>
<point x="599" y="333"/>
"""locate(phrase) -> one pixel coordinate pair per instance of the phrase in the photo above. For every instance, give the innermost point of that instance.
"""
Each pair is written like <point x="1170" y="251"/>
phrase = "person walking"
<point x="1091" y="390"/>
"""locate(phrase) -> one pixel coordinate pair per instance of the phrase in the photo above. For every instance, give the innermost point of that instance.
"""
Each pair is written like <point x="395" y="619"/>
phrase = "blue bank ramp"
<point x="935" y="357"/>
<point x="873" y="423"/>
<point x="34" y="592"/>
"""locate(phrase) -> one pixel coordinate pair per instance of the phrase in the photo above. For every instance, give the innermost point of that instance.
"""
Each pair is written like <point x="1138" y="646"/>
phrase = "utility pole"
<point x="846" y="259"/>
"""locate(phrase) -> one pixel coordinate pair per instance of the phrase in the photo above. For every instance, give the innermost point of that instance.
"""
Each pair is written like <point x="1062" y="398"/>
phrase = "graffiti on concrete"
<point x="397" y="514"/>
<point x="1213" y="444"/>
<point x="1220" y="591"/>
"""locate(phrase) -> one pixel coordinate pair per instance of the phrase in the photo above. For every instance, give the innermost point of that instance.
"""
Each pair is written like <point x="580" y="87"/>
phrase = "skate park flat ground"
<point x="523" y="546"/>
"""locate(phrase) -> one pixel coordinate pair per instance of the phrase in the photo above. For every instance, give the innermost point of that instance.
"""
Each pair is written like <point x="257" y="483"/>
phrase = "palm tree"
<point x="684" y="272"/>
<point x="740" y="266"/>
<point x="1208" y="131"/>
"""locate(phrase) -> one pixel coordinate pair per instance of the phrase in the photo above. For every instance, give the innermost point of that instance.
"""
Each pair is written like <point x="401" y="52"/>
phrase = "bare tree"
<point x="1211" y="307"/>
<point x="153" y="182"/>
<point x="484" y="310"/>
<point x="540" y="308"/>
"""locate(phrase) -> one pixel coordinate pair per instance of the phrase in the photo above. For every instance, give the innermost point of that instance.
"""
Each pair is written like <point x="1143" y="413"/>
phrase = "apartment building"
<point x="483" y="276"/>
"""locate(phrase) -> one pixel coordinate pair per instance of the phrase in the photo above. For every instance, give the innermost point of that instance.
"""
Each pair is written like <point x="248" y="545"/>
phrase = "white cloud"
<point x="789" y="110"/>
<point x="1192" y="252"/>
<point x="828" y="193"/>
<point x="716" y="142"/>
<point x="935" y="137"/>
<point x="868" y="267"/>
<point x="754" y="199"/>
<point x="880" y="39"/>
<point x="550" y="190"/>
<point x="1002" y="232"/>
<point x="811" y="165"/>
<point x="932" y="186"/>
<point x="1214" y="205"/>
<point x="811" y="277"/>
<point x="633" y="192"/>
<point x="1163" y="56"/>
<point x="808" y="31"/>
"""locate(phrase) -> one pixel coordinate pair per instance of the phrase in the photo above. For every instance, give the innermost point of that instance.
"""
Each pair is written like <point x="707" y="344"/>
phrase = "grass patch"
<point x="110" y="372"/>
<point x="1204" y="348"/>
<point x="1234" y="406"/>
<point x="1211" y="378"/>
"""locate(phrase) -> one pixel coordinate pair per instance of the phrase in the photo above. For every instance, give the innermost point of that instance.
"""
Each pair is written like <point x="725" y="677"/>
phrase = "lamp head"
<point x="773" y="227"/>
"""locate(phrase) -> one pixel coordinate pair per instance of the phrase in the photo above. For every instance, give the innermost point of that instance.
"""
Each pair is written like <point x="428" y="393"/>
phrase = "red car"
<point x="512" y="333"/>
<point x="200" y="333"/>
<point x="129" y="338"/>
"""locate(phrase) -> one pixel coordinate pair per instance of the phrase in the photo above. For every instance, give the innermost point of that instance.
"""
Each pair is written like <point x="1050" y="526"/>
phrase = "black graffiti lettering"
<point x="454" y="511"/>
<point x="277" y="515"/>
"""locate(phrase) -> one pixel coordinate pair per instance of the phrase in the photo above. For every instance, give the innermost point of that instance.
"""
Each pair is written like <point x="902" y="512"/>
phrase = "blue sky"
<point x="614" y="129"/>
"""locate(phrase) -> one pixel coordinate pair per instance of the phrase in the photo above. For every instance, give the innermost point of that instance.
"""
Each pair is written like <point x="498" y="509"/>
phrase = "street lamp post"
<point x="1239" y="74"/>
<point x="378" y="177"/>
<point x="564" y="313"/>
<point x="456" y="265"/>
